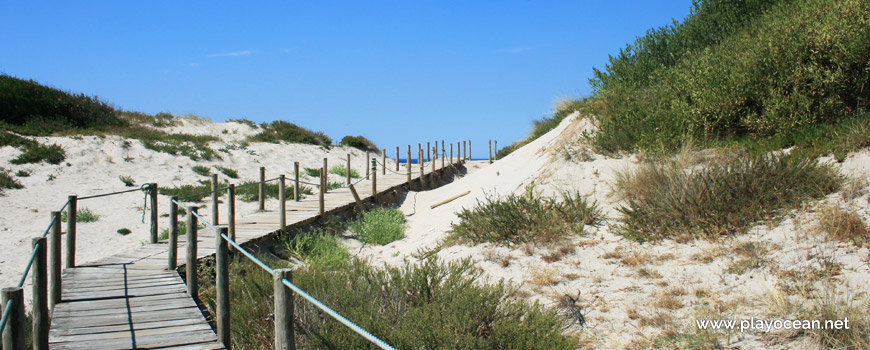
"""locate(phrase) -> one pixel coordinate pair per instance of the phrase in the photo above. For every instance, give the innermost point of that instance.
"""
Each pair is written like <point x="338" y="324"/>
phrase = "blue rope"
<point x="6" y="311"/>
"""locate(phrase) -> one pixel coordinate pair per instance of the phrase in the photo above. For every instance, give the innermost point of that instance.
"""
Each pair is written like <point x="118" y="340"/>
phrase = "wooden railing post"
<point x="40" y="295"/>
<point x="284" y="309"/>
<point x="192" y="283"/>
<point x="490" y="151"/>
<point x="408" y="165"/>
<point x="262" y="190"/>
<point x="222" y="285"/>
<point x="368" y="160"/>
<point x="428" y="151"/>
<point x="296" y="193"/>
<point x="14" y="333"/>
<point x="442" y="154"/>
<point x="322" y="190"/>
<point x="464" y="151"/>
<point x="325" y="174"/>
<point x="282" y="204"/>
<point x="72" y="210"/>
<point x="214" y="199"/>
<point x="397" y="159"/>
<point x="469" y="150"/>
<point x="451" y="153"/>
<point x="54" y="261"/>
<point x="173" y="233"/>
<point x="154" y="215"/>
<point x="348" y="168"/>
<point x="231" y="211"/>
<point x="384" y="161"/>
<point x="495" y="149"/>
<point x="375" y="179"/>
<point x="458" y="157"/>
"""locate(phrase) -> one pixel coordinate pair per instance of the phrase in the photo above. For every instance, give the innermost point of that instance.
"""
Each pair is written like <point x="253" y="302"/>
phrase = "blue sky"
<point x="397" y="72"/>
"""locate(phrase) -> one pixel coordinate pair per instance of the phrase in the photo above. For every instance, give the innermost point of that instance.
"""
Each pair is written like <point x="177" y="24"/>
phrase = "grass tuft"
<point x="35" y="153"/>
<point x="720" y="199"/>
<point x="843" y="225"/>
<point x="229" y="172"/>
<point x="341" y="170"/>
<point x="359" y="142"/>
<point x="202" y="170"/>
<point x="82" y="215"/>
<point x="7" y="181"/>
<point x="282" y="131"/>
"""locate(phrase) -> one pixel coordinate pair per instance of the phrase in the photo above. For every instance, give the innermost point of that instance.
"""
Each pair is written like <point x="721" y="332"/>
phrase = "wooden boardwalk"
<point x="132" y="301"/>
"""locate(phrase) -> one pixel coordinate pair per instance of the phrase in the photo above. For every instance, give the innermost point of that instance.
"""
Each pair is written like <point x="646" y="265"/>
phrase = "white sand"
<point x="617" y="296"/>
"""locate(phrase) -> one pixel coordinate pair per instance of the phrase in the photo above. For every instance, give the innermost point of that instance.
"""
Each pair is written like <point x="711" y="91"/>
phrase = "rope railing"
<point x="200" y="194"/>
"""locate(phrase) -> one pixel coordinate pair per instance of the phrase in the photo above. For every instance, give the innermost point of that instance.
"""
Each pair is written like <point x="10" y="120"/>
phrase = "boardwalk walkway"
<point x="132" y="301"/>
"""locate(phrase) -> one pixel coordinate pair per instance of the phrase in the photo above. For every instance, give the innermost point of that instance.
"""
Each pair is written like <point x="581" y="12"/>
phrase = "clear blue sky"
<point x="397" y="72"/>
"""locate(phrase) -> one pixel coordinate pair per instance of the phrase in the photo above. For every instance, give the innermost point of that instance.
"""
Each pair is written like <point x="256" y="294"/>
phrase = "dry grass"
<point x="668" y="301"/>
<point x="843" y="225"/>
<point x="645" y="272"/>
<point x="559" y="253"/>
<point x="544" y="276"/>
<point x="660" y="319"/>
<point x="752" y="255"/>
<point x="633" y="257"/>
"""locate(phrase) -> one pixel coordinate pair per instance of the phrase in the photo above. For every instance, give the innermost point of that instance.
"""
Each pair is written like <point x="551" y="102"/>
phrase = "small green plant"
<point x="127" y="180"/>
<point x="51" y="177"/>
<point x="22" y="173"/>
<point x="279" y="130"/>
<point x="231" y="173"/>
<point x="380" y="226"/>
<point x="7" y="181"/>
<point x="719" y="199"/>
<point x="124" y="231"/>
<point x="359" y="142"/>
<point x="312" y="172"/>
<point x="317" y="247"/>
<point x="192" y="193"/>
<point x="82" y="215"/>
<point x="341" y="170"/>
<point x="528" y="218"/>
<point x="333" y="185"/>
<point x="201" y="170"/>
<point x="35" y="153"/>
<point x="182" y="230"/>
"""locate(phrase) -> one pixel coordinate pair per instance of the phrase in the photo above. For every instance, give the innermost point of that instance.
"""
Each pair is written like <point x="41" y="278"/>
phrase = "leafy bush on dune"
<point x="429" y="305"/>
<point x="527" y="218"/>
<point x="544" y="125"/>
<point x="667" y="200"/>
<point x="279" y="130"/>
<point x="380" y="226"/>
<point x="359" y="142"/>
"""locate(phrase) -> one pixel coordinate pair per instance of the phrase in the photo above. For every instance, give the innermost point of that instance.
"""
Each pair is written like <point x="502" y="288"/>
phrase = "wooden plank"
<point x="145" y="341"/>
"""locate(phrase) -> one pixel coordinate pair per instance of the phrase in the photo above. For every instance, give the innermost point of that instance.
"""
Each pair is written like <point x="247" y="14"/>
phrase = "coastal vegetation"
<point x="359" y="142"/>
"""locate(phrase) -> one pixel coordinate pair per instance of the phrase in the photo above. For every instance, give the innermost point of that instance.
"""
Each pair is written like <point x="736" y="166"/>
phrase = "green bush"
<point x="527" y="218"/>
<point x="22" y="173"/>
<point x="312" y="172"/>
<point x="279" y="130"/>
<point x="231" y="173"/>
<point x="7" y="181"/>
<point x="776" y="68"/>
<point x="128" y="181"/>
<point x="667" y="200"/>
<point x="359" y="142"/>
<point x="30" y="108"/>
<point x="430" y="305"/>
<point x="341" y="170"/>
<point x="194" y="147"/>
<point x="124" y="231"/>
<point x="194" y="191"/>
<point x="202" y="170"/>
<point x="35" y="153"/>
<point x="380" y="226"/>
<point x="316" y="247"/>
<point x="82" y="215"/>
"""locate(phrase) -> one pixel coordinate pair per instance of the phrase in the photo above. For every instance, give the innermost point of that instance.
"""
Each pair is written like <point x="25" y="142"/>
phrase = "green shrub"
<point x="359" y="142"/>
<point x="380" y="226"/>
<point x="430" y="305"/>
<point x="316" y="247"/>
<point x="312" y="172"/>
<point x="30" y="108"/>
<point x="341" y="170"/>
<point x="10" y="139"/>
<point x="7" y="181"/>
<point x="124" y="231"/>
<point x="82" y="215"/>
<point x="719" y="199"/>
<point x="231" y="173"/>
<point x="188" y="190"/>
<point x="279" y="130"/>
<point x="22" y="173"/>
<point x="202" y="170"/>
<point x="778" y="67"/>
<point x="35" y="153"/>
<point x="128" y="181"/>
<point x="330" y="185"/>
<point x="527" y="218"/>
<point x="194" y="147"/>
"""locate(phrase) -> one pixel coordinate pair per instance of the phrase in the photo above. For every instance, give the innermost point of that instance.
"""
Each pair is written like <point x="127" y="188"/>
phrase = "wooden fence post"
<point x="490" y="151"/>
<point x="356" y="200"/>
<point x="368" y="160"/>
<point x="397" y="159"/>
<point x="458" y="157"/>
<point x="71" y="219"/>
<point x="348" y="168"/>
<point x="451" y="153"/>
<point x="231" y="211"/>
<point x="375" y="179"/>
<point x="154" y="215"/>
<point x="284" y="309"/>
<point x="173" y="234"/>
<point x="214" y="199"/>
<point x="282" y="204"/>
<point x="192" y="284"/>
<point x="495" y="149"/>
<point x="262" y="188"/>
<point x="408" y="165"/>
<point x="40" y="295"/>
<point x="384" y="162"/>
<point x="296" y="193"/>
<point x="469" y="150"/>
<point x="325" y="174"/>
<point x="428" y="152"/>
<point x="54" y="261"/>
<point x="464" y="151"/>
<point x="442" y="154"/>
<point x="322" y="190"/>
<point x="14" y="333"/>
<point x="222" y="285"/>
